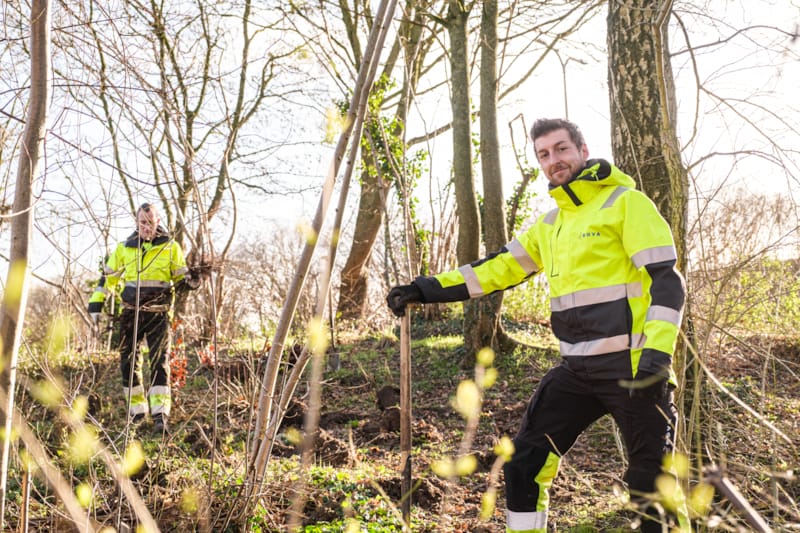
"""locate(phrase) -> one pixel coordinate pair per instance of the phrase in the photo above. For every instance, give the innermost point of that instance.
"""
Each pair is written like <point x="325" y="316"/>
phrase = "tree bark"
<point x="375" y="185"/>
<point x="644" y="135"/>
<point x="490" y="330"/>
<point x="468" y="243"/>
<point x="353" y="290"/>
<point x="12" y="312"/>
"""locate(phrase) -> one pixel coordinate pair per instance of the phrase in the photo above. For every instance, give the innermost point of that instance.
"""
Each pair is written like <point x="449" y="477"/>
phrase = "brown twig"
<point x="725" y="486"/>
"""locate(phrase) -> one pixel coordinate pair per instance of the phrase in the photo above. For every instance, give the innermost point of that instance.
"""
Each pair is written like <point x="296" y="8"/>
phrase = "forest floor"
<point x="193" y="477"/>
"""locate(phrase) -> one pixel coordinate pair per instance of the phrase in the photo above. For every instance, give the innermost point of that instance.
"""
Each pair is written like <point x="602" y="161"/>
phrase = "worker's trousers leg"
<point x="566" y="402"/>
<point x="155" y="328"/>
<point x="648" y="430"/>
<point x="560" y="409"/>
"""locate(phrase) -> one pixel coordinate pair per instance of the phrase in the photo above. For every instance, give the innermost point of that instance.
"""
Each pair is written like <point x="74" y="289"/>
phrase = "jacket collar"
<point x="162" y="236"/>
<point x="595" y="176"/>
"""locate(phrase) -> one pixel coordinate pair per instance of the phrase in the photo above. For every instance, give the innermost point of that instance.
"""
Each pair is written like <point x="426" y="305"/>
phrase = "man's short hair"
<point x="150" y="209"/>
<point x="543" y="126"/>
<point x="147" y="207"/>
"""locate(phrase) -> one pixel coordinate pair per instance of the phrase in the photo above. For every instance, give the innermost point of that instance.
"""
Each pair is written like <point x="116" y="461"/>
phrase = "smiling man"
<point x="560" y="155"/>
<point x="616" y="304"/>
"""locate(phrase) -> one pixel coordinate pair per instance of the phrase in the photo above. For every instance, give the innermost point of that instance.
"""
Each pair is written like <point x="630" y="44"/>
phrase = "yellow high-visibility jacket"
<point x="609" y="258"/>
<point x="148" y="269"/>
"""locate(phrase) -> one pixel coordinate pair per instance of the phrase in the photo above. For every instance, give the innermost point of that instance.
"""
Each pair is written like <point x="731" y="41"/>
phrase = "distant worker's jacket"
<point x="148" y="271"/>
<point x="609" y="258"/>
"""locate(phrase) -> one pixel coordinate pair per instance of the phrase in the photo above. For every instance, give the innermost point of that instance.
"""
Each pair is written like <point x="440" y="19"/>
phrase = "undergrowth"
<point x="195" y="478"/>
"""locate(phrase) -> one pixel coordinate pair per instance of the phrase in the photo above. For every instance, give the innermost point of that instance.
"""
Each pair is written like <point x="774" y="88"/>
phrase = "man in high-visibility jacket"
<point x="150" y="264"/>
<point x="616" y="303"/>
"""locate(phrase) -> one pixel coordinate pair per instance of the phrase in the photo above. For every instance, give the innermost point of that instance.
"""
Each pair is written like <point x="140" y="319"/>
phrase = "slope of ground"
<point x="193" y="478"/>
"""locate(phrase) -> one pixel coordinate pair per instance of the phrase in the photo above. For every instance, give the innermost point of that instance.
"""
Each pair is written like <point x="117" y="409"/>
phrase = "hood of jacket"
<point x="161" y="236"/>
<point x="593" y="178"/>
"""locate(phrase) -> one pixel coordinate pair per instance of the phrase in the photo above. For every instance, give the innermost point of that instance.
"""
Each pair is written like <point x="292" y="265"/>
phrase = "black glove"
<point x="194" y="278"/>
<point x="648" y="386"/>
<point x="190" y="282"/>
<point x="402" y="295"/>
<point x="200" y="272"/>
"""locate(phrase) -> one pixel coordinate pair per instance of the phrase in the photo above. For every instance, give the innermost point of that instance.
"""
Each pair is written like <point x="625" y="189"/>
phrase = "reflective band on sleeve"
<point x="550" y="217"/>
<point x="667" y="314"/>
<point x="522" y="256"/>
<point x="180" y="272"/>
<point x="148" y="283"/>
<point x="107" y="270"/>
<point x="613" y="198"/>
<point x="596" y="347"/>
<point x="595" y="296"/>
<point x="527" y="522"/>
<point x="658" y="254"/>
<point x="471" y="280"/>
<point x="101" y="290"/>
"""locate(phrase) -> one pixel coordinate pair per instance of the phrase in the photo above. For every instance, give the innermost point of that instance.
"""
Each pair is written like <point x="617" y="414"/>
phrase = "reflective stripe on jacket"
<point x="146" y="271"/>
<point x="609" y="258"/>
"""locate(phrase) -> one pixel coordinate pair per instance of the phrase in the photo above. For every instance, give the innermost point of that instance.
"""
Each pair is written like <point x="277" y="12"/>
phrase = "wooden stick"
<point x="405" y="418"/>
<point x="724" y="485"/>
<point x="26" y="500"/>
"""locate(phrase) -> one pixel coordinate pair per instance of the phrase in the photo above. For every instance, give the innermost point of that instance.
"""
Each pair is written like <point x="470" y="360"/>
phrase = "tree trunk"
<point x="644" y="136"/>
<point x="12" y="312"/>
<point x="467" y="247"/>
<point x="353" y="291"/>
<point x="490" y="330"/>
<point x="468" y="244"/>
<point x="268" y="415"/>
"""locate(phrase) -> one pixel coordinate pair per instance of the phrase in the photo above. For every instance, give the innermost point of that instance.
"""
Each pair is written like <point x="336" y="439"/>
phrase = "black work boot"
<point x="159" y="424"/>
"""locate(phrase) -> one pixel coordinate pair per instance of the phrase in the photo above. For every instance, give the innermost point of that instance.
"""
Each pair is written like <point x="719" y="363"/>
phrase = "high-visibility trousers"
<point x="569" y="398"/>
<point x="154" y="328"/>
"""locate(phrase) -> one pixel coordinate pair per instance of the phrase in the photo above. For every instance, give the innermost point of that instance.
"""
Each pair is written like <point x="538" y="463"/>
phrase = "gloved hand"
<point x="195" y="276"/>
<point x="402" y="295"/>
<point x="192" y="280"/>
<point x="649" y="386"/>
<point x="200" y="272"/>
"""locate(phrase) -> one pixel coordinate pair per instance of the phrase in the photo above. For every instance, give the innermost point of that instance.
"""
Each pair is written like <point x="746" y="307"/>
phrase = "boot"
<point x="159" y="424"/>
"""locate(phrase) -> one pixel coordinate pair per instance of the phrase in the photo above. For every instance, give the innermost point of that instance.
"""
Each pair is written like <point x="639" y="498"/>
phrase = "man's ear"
<point x="585" y="151"/>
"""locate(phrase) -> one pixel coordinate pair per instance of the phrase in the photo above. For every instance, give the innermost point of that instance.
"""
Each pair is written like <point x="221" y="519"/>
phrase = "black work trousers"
<point x="154" y="327"/>
<point x="569" y="398"/>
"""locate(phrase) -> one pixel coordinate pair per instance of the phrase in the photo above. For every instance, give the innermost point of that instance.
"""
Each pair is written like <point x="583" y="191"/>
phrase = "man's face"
<point x="559" y="157"/>
<point x="146" y="223"/>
